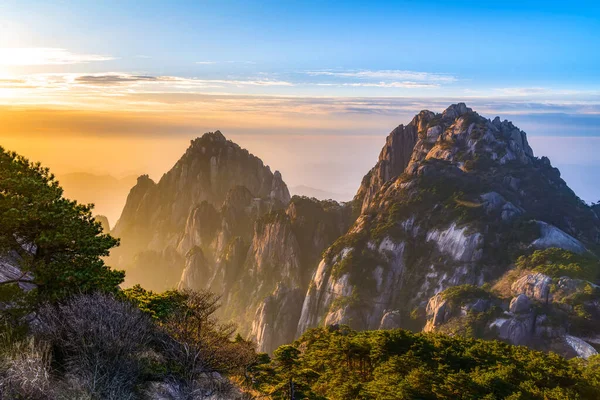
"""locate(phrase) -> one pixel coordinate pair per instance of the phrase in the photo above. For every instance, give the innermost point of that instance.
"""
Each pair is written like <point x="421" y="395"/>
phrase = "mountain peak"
<point x="208" y="170"/>
<point x="456" y="110"/>
<point x="214" y="136"/>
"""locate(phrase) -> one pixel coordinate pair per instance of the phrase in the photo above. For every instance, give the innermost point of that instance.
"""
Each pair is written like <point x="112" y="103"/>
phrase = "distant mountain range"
<point x="302" y="190"/>
<point x="105" y="191"/>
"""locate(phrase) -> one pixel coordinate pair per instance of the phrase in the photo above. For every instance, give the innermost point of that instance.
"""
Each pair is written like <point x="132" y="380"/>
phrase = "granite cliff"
<point x="455" y="204"/>
<point x="454" y="199"/>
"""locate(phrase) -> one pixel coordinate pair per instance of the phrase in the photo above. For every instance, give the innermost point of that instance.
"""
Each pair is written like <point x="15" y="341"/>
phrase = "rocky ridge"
<point x="453" y="199"/>
<point x="156" y="214"/>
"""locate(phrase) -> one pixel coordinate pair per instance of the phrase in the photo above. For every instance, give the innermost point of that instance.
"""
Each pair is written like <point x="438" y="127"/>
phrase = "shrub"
<point x="195" y="342"/>
<point x="159" y="306"/>
<point x="97" y="343"/>
<point x="556" y="262"/>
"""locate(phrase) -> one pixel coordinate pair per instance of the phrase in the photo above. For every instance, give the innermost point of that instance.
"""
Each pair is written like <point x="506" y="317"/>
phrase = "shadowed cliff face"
<point x="453" y="200"/>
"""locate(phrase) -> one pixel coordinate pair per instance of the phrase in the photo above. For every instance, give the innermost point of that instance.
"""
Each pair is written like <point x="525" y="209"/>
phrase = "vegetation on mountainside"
<point x="97" y="346"/>
<point x="465" y="293"/>
<point x="572" y="306"/>
<point x="338" y="363"/>
<point x="556" y="262"/>
<point x="90" y="339"/>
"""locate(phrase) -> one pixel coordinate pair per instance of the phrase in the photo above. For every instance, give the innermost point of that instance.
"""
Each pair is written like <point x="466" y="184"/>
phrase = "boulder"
<point x="515" y="330"/>
<point x="582" y="348"/>
<point x="535" y="286"/>
<point x="390" y="320"/>
<point x="520" y="304"/>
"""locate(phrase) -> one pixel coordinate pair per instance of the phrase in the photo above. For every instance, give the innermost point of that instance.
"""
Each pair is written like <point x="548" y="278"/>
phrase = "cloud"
<point x="405" y="84"/>
<point x="114" y="79"/>
<point x="28" y="56"/>
<point x="206" y="62"/>
<point x="521" y="91"/>
<point x="396" y="75"/>
<point x="66" y="88"/>
<point x="13" y="83"/>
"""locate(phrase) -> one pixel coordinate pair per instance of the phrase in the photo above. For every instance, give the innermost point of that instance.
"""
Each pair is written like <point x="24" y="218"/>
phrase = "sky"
<point x="311" y="87"/>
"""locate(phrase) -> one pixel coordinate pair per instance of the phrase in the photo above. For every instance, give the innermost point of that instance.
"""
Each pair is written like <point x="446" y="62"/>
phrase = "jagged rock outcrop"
<point x="276" y="318"/>
<point x="551" y="314"/>
<point x="10" y="270"/>
<point x="393" y="159"/>
<point x="282" y="257"/>
<point x="452" y="199"/>
<point x="535" y="286"/>
<point x="520" y="304"/>
<point x="157" y="215"/>
<point x="196" y="270"/>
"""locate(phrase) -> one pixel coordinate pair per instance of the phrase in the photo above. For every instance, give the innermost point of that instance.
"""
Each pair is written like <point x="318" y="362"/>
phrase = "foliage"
<point x="330" y="363"/>
<point x="556" y="262"/>
<point x="157" y="305"/>
<point x="194" y="341"/>
<point x="54" y="239"/>
<point x="463" y="293"/>
<point x="102" y="346"/>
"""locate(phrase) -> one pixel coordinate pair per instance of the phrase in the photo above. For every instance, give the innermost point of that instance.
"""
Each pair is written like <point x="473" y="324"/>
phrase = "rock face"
<point x="220" y="220"/>
<point x="520" y="304"/>
<point x="155" y="214"/>
<point x="549" y="314"/>
<point x="393" y="159"/>
<point x="535" y="286"/>
<point x="452" y="196"/>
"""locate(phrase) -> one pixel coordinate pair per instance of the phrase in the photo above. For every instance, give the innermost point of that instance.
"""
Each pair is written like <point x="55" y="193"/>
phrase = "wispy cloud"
<point x="27" y="56"/>
<point x="113" y="79"/>
<point x="396" y="75"/>
<point x="404" y="84"/>
<point x="116" y="83"/>
<point x="225" y="62"/>
<point x="521" y="91"/>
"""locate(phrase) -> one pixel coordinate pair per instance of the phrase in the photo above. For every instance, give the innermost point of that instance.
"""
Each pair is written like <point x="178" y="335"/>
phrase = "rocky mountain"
<point x="437" y="238"/>
<point x="221" y="220"/>
<point x="156" y="214"/>
<point x="453" y="200"/>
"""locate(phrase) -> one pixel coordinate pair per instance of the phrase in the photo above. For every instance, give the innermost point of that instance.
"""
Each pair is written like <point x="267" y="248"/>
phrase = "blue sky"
<point x="482" y="44"/>
<point x="347" y="69"/>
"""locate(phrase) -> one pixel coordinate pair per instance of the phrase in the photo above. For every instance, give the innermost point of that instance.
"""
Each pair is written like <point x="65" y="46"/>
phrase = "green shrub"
<point x="556" y="262"/>
<point x="463" y="294"/>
